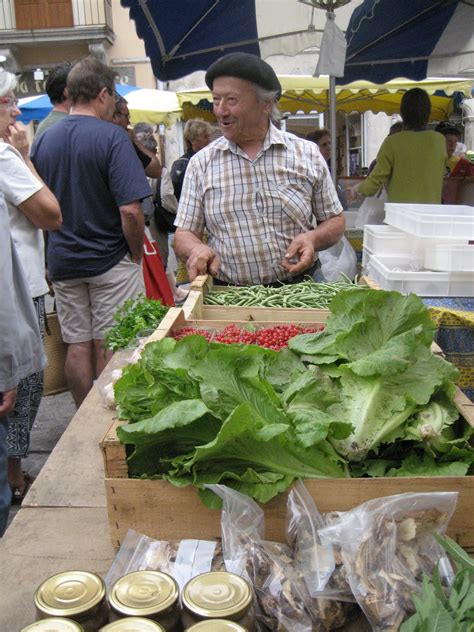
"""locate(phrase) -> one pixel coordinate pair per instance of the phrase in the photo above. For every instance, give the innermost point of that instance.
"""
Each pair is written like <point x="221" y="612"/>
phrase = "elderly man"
<point x="258" y="191"/>
<point x="94" y="259"/>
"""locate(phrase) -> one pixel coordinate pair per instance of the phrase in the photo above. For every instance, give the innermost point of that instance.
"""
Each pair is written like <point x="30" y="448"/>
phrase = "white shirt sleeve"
<point x="168" y="198"/>
<point x="16" y="180"/>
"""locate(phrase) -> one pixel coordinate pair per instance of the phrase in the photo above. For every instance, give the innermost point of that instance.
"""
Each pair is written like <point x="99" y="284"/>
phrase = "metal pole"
<point x="332" y="125"/>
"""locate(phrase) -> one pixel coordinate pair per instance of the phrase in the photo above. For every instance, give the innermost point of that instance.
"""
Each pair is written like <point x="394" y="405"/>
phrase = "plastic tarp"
<point x="410" y="38"/>
<point x="306" y="94"/>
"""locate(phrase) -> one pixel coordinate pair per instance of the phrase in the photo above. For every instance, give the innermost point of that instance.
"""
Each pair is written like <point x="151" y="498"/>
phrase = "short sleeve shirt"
<point x="253" y="209"/>
<point x="93" y="169"/>
<point x="18" y="184"/>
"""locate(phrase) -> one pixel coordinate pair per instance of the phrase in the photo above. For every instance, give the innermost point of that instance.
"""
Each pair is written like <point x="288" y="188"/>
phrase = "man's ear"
<point x="66" y="93"/>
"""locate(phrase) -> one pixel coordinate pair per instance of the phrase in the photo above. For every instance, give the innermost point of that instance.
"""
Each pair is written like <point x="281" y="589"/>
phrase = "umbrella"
<point x="410" y="38"/>
<point x="307" y="94"/>
<point x="150" y="106"/>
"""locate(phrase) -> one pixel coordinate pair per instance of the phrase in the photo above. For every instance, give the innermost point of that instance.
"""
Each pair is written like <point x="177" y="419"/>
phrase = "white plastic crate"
<point x="366" y="254"/>
<point x="450" y="257"/>
<point x="394" y="273"/>
<point x="381" y="239"/>
<point x="432" y="220"/>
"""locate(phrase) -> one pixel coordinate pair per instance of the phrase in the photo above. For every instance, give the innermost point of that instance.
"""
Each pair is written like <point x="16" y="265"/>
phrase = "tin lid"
<point x="216" y="625"/>
<point x="133" y="624"/>
<point x="217" y="595"/>
<point x="55" y="624"/>
<point x="69" y="594"/>
<point x="143" y="593"/>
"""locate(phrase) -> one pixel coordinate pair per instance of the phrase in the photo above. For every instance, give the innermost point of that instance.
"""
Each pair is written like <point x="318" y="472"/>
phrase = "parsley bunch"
<point x="133" y="318"/>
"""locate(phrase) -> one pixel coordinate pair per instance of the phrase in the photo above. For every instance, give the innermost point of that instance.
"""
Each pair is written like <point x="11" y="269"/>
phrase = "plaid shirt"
<point x="252" y="209"/>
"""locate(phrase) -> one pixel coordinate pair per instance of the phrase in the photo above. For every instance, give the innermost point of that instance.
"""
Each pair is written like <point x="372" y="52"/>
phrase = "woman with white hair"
<point x="32" y="208"/>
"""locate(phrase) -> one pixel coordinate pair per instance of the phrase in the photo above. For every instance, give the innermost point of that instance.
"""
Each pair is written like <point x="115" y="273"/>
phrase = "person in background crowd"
<point x="144" y="134"/>
<point x="257" y="191"/>
<point x="197" y="134"/>
<point x="56" y="89"/>
<point x="94" y="259"/>
<point x="149" y="159"/>
<point x="411" y="163"/>
<point x="21" y="349"/>
<point x="31" y="207"/>
<point x="322" y="138"/>
<point x="452" y="137"/>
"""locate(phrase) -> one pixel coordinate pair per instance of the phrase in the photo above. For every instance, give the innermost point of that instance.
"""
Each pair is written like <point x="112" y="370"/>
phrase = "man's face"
<point x="8" y="112"/>
<point x="241" y="116"/>
<point x="121" y="116"/>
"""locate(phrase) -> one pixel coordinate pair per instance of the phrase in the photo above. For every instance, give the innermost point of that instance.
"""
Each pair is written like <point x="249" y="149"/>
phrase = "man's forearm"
<point x="133" y="226"/>
<point x="183" y="243"/>
<point x="328" y="232"/>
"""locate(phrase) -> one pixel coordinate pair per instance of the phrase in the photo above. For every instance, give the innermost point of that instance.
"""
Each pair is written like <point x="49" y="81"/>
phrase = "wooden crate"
<point x="160" y="510"/>
<point x="195" y="309"/>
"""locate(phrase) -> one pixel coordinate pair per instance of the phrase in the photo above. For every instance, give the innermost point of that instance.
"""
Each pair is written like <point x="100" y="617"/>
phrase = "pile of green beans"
<point x="307" y="294"/>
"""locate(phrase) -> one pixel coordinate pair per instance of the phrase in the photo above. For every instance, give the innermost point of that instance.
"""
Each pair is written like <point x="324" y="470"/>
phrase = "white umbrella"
<point x="150" y="106"/>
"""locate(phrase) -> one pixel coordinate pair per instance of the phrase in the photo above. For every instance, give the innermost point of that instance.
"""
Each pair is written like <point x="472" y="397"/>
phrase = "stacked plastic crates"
<point x="423" y="248"/>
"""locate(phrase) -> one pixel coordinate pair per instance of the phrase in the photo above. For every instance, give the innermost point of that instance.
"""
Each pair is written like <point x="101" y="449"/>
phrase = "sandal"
<point x="18" y="493"/>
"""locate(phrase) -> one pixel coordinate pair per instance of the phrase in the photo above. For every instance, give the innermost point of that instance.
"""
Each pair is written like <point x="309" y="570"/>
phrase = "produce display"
<point x="305" y="294"/>
<point x="364" y="397"/>
<point x="270" y="337"/>
<point x="134" y="318"/>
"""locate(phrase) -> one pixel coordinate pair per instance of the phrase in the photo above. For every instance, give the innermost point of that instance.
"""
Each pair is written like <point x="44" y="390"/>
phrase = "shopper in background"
<point x="197" y="134"/>
<point x="56" y="89"/>
<point x="322" y="138"/>
<point x="452" y="136"/>
<point x="411" y="163"/>
<point x="121" y="117"/>
<point x="94" y="259"/>
<point x="31" y="208"/>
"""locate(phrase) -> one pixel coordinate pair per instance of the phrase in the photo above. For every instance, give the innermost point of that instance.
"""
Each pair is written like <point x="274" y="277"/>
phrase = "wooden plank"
<point x="114" y="453"/>
<point x="42" y="542"/>
<point x="162" y="511"/>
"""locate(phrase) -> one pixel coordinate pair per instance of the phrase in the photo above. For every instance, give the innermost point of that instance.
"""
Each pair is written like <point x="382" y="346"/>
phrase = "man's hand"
<point x="202" y="260"/>
<point x="300" y="254"/>
<point x="7" y="401"/>
<point x="16" y="136"/>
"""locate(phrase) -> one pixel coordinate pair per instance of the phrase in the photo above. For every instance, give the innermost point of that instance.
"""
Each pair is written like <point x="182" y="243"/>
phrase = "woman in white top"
<point x="32" y="207"/>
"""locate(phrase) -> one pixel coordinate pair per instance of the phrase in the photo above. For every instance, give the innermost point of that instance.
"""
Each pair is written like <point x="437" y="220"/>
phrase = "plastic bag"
<point x="372" y="210"/>
<point x="387" y="546"/>
<point x="338" y="259"/>
<point x="314" y="560"/>
<point x="284" y="603"/>
<point x="182" y="559"/>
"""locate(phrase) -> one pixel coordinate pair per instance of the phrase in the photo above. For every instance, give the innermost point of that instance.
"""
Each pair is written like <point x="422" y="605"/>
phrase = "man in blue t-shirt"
<point x="94" y="259"/>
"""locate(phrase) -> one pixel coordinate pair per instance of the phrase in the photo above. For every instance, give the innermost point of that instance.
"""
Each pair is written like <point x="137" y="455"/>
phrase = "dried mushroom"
<point x="389" y="563"/>
<point x="284" y="602"/>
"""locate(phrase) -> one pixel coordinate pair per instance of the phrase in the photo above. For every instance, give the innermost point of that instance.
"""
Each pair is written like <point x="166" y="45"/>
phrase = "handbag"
<point x="164" y="219"/>
<point x="156" y="282"/>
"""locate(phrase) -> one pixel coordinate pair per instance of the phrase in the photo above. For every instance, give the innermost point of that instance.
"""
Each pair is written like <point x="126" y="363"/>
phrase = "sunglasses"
<point x="9" y="102"/>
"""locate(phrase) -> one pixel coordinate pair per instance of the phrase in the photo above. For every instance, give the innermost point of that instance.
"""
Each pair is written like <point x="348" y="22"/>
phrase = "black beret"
<point x="244" y="66"/>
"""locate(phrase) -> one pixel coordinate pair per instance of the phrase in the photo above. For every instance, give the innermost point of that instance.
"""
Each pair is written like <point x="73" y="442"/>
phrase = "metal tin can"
<point x="218" y="595"/>
<point x="56" y="624"/>
<point x="216" y="625"/>
<point x="76" y="595"/>
<point x="133" y="624"/>
<point x="150" y="594"/>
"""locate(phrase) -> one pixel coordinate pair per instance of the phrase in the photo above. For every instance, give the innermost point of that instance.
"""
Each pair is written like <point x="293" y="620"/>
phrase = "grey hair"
<point x="8" y="82"/>
<point x="269" y="96"/>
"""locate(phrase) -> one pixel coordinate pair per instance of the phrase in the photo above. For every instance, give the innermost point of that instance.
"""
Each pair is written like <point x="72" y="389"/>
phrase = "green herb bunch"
<point x="439" y="610"/>
<point x="132" y="318"/>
